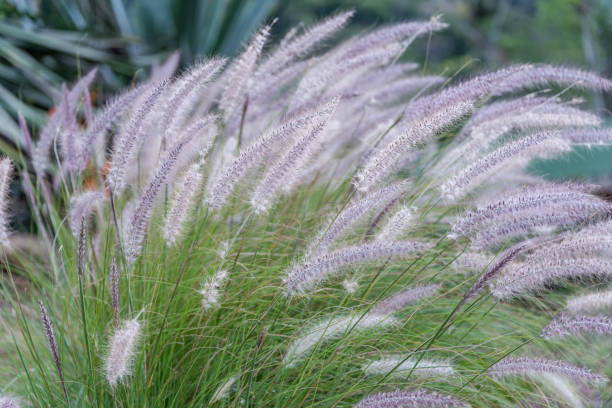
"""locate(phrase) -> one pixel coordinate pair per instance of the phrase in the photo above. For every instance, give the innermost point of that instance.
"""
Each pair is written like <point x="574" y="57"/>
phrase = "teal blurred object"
<point x="593" y="163"/>
<point x="44" y="43"/>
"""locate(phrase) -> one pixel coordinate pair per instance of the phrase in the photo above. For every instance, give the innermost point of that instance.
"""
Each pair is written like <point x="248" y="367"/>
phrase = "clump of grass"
<point x="258" y="232"/>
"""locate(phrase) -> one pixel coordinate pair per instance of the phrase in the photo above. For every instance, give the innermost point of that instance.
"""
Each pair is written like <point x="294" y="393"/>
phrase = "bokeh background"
<point x="44" y="43"/>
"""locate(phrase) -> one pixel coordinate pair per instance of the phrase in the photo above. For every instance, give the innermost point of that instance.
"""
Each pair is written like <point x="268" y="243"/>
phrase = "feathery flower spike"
<point x="299" y="46"/>
<point x="223" y="390"/>
<point x="402" y="367"/>
<point x="81" y="207"/>
<point x="407" y="398"/>
<point x="129" y="141"/>
<point x="353" y="212"/>
<point x="113" y="278"/>
<point x="382" y="163"/>
<point x="591" y="302"/>
<point x="594" y="240"/>
<point x="6" y="170"/>
<point x="403" y="298"/>
<point x="333" y="328"/>
<point x="121" y="352"/>
<point x="548" y="74"/>
<point x="533" y="145"/>
<point x="255" y="153"/>
<point x="565" y="325"/>
<point x="304" y="277"/>
<point x="405" y="32"/>
<point x="277" y="175"/>
<point x="538" y="199"/>
<point x="8" y="402"/>
<point x="588" y="136"/>
<point x="50" y="335"/>
<point x="185" y="194"/>
<point x="51" y="130"/>
<point x="530" y="103"/>
<point x="103" y="120"/>
<point x="378" y="317"/>
<point x="69" y="136"/>
<point x="239" y="73"/>
<point x="140" y="219"/>
<point x="397" y="224"/>
<point x="535" y="275"/>
<point x="494" y="269"/>
<point x="189" y="84"/>
<point x="524" y="366"/>
<point x="211" y="290"/>
<point x="350" y="285"/>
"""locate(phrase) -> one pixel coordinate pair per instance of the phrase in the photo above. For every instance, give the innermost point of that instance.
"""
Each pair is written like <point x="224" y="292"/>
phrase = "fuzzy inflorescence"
<point x="52" y="343"/>
<point x="591" y="302"/>
<point x="303" y="277"/>
<point x="524" y="366"/>
<point x="565" y="325"/>
<point x="403" y="367"/>
<point x="333" y="328"/>
<point x="81" y="208"/>
<point x="121" y="351"/>
<point x="352" y="213"/>
<point x="405" y="297"/>
<point x="6" y="169"/>
<point x="406" y="398"/>
<point x="9" y="402"/>
<point x="185" y="194"/>
<point x="211" y="290"/>
<point x="535" y="275"/>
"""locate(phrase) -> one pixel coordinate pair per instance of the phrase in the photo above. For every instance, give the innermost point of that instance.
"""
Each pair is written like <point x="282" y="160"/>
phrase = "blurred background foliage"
<point x="44" y="43"/>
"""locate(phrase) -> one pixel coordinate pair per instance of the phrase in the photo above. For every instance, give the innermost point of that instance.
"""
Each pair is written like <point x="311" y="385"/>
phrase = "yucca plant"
<point x="293" y="228"/>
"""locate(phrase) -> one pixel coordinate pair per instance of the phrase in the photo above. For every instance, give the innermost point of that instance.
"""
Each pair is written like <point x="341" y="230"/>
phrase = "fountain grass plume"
<point x="305" y="276"/>
<point x="534" y="276"/>
<point x="52" y="344"/>
<point x="407" y="398"/>
<point x="6" y="170"/>
<point x="525" y="200"/>
<point x="277" y="175"/>
<point x="357" y="209"/>
<point x="405" y="297"/>
<point x="142" y="215"/>
<point x="525" y="366"/>
<point x="294" y="47"/>
<point x="82" y="207"/>
<point x="495" y="268"/>
<point x="590" y="302"/>
<point x="211" y="290"/>
<point x="538" y="144"/>
<point x="257" y="151"/>
<point x="566" y="325"/>
<point x="9" y="402"/>
<point x="238" y="75"/>
<point x="400" y="366"/>
<point x="54" y="126"/>
<point x="130" y="140"/>
<point x="184" y="200"/>
<point x="121" y="352"/>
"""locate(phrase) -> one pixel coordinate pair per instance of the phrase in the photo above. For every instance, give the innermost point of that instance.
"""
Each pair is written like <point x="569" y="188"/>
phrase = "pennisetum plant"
<point x="264" y="230"/>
